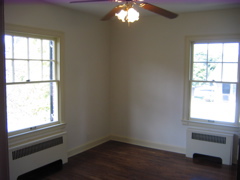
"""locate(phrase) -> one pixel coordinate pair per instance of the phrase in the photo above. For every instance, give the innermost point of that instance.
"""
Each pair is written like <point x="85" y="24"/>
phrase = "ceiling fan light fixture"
<point x="122" y="15"/>
<point x="130" y="15"/>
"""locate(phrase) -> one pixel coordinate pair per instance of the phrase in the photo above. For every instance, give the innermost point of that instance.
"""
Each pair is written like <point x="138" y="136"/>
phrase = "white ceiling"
<point x="177" y="6"/>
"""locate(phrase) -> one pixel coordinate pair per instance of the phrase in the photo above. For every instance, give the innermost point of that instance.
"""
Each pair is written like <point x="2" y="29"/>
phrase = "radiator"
<point x="209" y="143"/>
<point x="32" y="155"/>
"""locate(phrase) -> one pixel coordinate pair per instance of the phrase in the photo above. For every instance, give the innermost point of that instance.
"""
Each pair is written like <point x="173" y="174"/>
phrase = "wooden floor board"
<point x="120" y="161"/>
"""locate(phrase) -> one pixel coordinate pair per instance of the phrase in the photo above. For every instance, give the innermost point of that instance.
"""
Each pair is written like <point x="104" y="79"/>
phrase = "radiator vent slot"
<point x="36" y="148"/>
<point x="209" y="138"/>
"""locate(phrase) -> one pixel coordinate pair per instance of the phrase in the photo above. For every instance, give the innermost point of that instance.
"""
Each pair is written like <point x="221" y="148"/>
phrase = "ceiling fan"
<point x="126" y="12"/>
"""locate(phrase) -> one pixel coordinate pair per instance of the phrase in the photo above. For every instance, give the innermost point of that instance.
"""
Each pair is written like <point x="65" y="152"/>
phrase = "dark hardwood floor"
<point x="120" y="161"/>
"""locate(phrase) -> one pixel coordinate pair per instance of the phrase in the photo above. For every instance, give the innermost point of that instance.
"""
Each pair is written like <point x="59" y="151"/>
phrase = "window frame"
<point x="58" y="37"/>
<point x="186" y="120"/>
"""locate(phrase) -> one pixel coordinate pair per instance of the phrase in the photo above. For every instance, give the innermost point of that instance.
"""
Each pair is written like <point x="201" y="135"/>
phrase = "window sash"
<point x="27" y="66"/>
<point x="31" y="105"/>
<point x="223" y="63"/>
<point x="213" y="102"/>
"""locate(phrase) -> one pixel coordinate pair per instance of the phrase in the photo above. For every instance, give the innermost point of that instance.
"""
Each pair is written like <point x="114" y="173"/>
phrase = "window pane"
<point x="48" y="70"/>
<point x="48" y="50"/>
<point x="214" y="71"/>
<point x="35" y="49"/>
<point x="230" y="52"/>
<point x="20" y="48"/>
<point x="31" y="105"/>
<point x="215" y="52"/>
<point x="199" y="71"/>
<point x="20" y="71"/>
<point x="35" y="70"/>
<point x="9" y="71"/>
<point x="213" y="101"/>
<point x="230" y="72"/>
<point x="8" y="46"/>
<point x="200" y="52"/>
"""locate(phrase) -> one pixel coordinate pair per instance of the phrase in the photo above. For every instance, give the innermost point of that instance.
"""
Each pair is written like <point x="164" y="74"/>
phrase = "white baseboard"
<point x="138" y="142"/>
<point x="87" y="146"/>
<point x="149" y="144"/>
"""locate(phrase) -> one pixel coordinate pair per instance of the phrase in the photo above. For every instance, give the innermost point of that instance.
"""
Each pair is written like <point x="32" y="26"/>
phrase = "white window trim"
<point x="45" y="130"/>
<point x="235" y="127"/>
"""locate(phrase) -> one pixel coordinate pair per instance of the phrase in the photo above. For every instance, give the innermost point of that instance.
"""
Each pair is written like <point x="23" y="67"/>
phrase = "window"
<point x="32" y="81"/>
<point x="212" y="81"/>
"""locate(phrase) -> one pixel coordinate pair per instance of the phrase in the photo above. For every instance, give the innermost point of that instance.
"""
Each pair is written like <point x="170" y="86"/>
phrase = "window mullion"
<point x="13" y="67"/>
<point x="207" y="62"/>
<point x="28" y="59"/>
<point x="222" y="62"/>
<point x="42" y="59"/>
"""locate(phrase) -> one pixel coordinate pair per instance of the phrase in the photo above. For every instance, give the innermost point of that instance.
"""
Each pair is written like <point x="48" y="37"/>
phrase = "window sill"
<point x="25" y="137"/>
<point x="214" y="126"/>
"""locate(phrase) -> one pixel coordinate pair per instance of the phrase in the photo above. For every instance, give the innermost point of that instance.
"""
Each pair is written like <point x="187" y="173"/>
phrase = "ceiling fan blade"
<point x="158" y="10"/>
<point x="84" y="1"/>
<point x="112" y="13"/>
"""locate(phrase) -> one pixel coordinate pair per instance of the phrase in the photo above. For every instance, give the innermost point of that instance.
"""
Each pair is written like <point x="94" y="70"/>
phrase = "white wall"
<point x="145" y="76"/>
<point x="86" y="66"/>
<point x="147" y="73"/>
